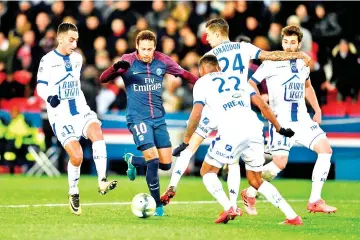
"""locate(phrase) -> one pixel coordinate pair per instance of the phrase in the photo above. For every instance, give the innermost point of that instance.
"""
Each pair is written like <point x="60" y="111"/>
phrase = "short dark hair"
<point x="146" y="35"/>
<point x="65" y="26"/>
<point x="209" y="59"/>
<point x="218" y="24"/>
<point x="292" y="30"/>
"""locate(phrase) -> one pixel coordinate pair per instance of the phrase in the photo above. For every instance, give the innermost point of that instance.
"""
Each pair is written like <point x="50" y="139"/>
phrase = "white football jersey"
<point x="234" y="57"/>
<point x="60" y="75"/>
<point x="229" y="99"/>
<point x="286" y="86"/>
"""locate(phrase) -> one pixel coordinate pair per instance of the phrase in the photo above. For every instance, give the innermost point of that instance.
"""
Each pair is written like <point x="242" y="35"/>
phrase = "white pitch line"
<point x="172" y="203"/>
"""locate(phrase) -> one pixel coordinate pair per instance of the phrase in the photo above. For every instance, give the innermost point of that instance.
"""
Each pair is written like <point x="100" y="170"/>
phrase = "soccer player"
<point x="143" y="72"/>
<point x="230" y="99"/>
<point x="58" y="84"/>
<point x="289" y="85"/>
<point x="234" y="58"/>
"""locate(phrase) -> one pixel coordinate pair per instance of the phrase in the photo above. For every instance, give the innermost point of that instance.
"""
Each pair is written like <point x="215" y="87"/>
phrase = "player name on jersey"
<point x="225" y="48"/>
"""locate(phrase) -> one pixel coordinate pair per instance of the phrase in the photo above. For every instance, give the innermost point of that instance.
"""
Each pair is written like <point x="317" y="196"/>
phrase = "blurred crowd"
<point x="108" y="29"/>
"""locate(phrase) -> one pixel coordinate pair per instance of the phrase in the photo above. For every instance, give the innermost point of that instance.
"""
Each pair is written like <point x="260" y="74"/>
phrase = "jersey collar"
<point x="59" y="54"/>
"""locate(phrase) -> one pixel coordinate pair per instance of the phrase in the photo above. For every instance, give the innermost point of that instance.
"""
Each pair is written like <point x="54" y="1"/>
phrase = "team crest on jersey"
<point x="206" y="121"/>
<point x="67" y="63"/>
<point x="158" y="71"/>
<point x="228" y="147"/>
<point x="141" y="138"/>
<point x="293" y="66"/>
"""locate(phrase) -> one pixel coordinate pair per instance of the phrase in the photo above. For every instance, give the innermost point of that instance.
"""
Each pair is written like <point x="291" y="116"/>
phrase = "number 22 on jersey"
<point x="222" y="81"/>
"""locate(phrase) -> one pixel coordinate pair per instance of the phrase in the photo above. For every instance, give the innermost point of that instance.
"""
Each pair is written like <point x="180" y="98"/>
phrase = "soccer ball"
<point x="143" y="205"/>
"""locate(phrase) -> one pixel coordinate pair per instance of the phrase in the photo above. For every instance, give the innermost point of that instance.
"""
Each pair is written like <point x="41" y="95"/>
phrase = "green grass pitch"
<point x="36" y="208"/>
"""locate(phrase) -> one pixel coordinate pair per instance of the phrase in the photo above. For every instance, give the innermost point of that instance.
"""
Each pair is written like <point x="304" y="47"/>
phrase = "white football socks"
<point x="319" y="175"/>
<point x="273" y="196"/>
<point x="181" y="164"/>
<point x="214" y="186"/>
<point x="251" y="192"/>
<point x="233" y="182"/>
<point x="73" y="178"/>
<point x="270" y="171"/>
<point x="100" y="158"/>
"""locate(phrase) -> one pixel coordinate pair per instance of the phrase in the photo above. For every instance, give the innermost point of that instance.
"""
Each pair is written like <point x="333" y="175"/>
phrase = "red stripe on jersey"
<point x="151" y="106"/>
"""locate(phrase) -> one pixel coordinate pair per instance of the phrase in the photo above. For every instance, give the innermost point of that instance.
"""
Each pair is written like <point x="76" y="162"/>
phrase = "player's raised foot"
<point x="230" y="214"/>
<point x="159" y="211"/>
<point x="74" y="202"/>
<point x="296" y="221"/>
<point x="168" y="195"/>
<point x="131" y="171"/>
<point x="105" y="186"/>
<point x="320" y="206"/>
<point x="249" y="203"/>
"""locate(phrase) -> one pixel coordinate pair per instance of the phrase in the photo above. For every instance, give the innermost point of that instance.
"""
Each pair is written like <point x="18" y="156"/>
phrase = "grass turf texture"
<point x="28" y="218"/>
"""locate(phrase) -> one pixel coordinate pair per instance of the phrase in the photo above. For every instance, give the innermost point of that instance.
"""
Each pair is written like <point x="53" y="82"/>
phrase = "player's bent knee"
<point x="280" y="161"/>
<point x="329" y="151"/>
<point x="208" y="169"/>
<point x="254" y="182"/>
<point x="326" y="149"/>
<point x="165" y="166"/>
<point x="76" y="159"/>
<point x="94" y="132"/>
<point x="150" y="151"/>
<point x="165" y="155"/>
<point x="202" y="172"/>
<point x="268" y="175"/>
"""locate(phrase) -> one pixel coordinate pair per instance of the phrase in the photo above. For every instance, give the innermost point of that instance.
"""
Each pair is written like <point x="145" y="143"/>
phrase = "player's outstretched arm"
<point x="193" y="123"/>
<point x="269" y="114"/>
<point x="176" y="70"/>
<point x="282" y="55"/>
<point x="114" y="71"/>
<point x="194" y="120"/>
<point x="254" y="85"/>
<point x="310" y="96"/>
<point x="188" y="76"/>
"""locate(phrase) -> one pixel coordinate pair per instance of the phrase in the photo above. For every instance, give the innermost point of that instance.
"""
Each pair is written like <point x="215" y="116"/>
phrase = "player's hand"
<point x="307" y="59"/>
<point x="53" y="100"/>
<point x="286" y="132"/>
<point x="121" y="64"/>
<point x="317" y="117"/>
<point x="176" y="152"/>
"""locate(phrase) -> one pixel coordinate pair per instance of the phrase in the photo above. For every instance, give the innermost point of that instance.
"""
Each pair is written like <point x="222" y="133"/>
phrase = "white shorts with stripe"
<point x="228" y="149"/>
<point x="307" y="133"/>
<point x="67" y="127"/>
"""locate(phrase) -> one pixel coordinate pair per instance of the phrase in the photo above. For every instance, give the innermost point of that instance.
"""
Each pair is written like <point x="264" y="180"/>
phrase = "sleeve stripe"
<point x="252" y="94"/>
<point x="199" y="102"/>
<point x="255" y="80"/>
<point x="257" y="54"/>
<point x="42" y="81"/>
